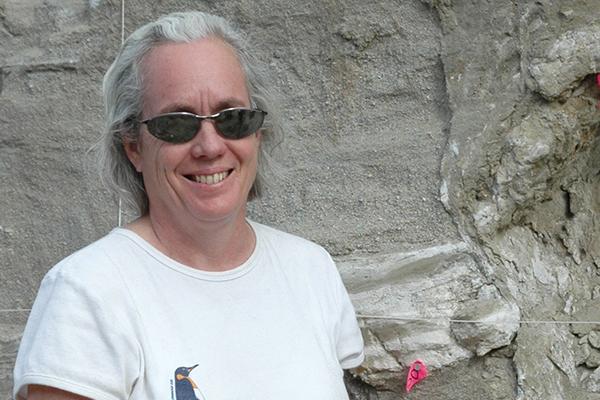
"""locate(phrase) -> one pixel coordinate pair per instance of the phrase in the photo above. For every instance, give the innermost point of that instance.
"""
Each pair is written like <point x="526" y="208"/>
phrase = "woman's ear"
<point x="133" y="149"/>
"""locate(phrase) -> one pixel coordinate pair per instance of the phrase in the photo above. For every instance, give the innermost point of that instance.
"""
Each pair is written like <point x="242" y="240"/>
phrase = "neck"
<point x="209" y="246"/>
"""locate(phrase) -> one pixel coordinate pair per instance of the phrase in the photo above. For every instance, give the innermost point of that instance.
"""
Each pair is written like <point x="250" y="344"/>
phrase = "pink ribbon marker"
<point x="416" y="373"/>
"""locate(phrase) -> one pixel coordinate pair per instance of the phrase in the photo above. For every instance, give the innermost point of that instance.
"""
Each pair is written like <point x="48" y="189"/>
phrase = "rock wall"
<point x="447" y="153"/>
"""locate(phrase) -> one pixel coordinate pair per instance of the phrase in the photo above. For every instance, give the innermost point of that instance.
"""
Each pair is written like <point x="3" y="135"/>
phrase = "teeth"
<point x="211" y="179"/>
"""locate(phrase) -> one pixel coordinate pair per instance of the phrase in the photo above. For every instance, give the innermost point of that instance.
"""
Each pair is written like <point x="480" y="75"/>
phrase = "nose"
<point x="208" y="143"/>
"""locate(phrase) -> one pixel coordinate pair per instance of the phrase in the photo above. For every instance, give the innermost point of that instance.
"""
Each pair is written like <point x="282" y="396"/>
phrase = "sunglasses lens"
<point x="235" y="123"/>
<point x="239" y="123"/>
<point x="174" y="128"/>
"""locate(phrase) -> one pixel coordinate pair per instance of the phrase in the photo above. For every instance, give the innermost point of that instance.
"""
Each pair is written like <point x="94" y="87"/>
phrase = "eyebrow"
<point x="228" y="102"/>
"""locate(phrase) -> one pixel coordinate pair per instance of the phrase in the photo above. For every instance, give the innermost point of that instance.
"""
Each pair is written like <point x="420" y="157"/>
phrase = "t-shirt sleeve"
<point x="75" y="341"/>
<point x="349" y="340"/>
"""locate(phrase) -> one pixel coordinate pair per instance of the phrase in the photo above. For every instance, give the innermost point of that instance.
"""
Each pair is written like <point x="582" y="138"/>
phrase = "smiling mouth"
<point x="209" y="179"/>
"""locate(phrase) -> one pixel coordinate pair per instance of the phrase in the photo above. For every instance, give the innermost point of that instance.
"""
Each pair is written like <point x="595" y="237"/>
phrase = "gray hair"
<point x="123" y="98"/>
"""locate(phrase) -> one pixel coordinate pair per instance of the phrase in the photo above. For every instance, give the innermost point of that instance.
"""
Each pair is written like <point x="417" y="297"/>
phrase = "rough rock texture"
<point x="498" y="326"/>
<point x="428" y="284"/>
<point x="522" y="172"/>
<point x="447" y="153"/>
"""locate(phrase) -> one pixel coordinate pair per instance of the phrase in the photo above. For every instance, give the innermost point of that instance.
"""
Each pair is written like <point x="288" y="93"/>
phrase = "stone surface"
<point x="477" y="378"/>
<point x="446" y="153"/>
<point x="593" y="359"/>
<point x="592" y="381"/>
<point x="499" y="325"/>
<point x="422" y="290"/>
<point x="520" y="171"/>
<point x="587" y="311"/>
<point x="594" y="339"/>
<point x="568" y="60"/>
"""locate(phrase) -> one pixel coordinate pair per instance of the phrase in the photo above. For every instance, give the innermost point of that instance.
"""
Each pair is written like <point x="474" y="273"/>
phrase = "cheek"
<point x="156" y="159"/>
<point x="246" y="151"/>
<point x="253" y="155"/>
<point x="256" y="146"/>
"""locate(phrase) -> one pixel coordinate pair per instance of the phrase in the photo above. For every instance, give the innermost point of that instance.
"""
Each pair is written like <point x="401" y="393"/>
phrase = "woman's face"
<point x="209" y="177"/>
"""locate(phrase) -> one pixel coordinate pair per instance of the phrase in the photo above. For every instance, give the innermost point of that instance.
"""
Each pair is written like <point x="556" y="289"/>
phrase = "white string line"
<point x="120" y="216"/>
<point x="122" y="21"/>
<point x="472" y="321"/>
<point x="438" y="319"/>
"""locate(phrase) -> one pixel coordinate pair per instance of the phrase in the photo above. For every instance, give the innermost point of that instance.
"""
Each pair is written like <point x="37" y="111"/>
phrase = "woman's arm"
<point x="38" y="392"/>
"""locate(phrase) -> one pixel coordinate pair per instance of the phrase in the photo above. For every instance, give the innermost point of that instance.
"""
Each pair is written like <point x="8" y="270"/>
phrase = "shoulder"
<point x="90" y="267"/>
<point x="305" y="262"/>
<point x="289" y="243"/>
<point x="85" y="312"/>
<point x="86" y="286"/>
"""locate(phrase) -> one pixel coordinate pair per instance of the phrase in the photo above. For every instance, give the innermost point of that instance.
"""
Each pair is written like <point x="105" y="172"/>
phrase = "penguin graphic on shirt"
<point x="184" y="385"/>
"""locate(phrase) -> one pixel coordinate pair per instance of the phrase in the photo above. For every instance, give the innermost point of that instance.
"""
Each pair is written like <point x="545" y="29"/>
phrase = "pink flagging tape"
<point x="417" y="371"/>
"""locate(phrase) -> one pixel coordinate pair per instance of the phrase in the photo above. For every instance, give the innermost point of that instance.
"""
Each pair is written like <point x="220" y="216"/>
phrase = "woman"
<point x="191" y="300"/>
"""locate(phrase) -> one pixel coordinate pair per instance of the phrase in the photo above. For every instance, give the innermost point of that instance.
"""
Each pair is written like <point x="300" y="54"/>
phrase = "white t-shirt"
<point x="120" y="320"/>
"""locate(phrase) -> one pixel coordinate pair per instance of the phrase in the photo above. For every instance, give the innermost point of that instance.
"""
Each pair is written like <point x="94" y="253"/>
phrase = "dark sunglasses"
<point x="181" y="127"/>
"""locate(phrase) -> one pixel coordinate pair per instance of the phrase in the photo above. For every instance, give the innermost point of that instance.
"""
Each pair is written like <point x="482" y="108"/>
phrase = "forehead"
<point x="201" y="74"/>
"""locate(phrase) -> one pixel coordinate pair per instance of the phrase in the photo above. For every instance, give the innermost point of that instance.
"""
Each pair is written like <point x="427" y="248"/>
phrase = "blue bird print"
<point x="184" y="385"/>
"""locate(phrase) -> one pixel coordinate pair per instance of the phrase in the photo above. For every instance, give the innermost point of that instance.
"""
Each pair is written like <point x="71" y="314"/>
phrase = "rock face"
<point x="498" y="326"/>
<point x="421" y="289"/>
<point x="447" y="154"/>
